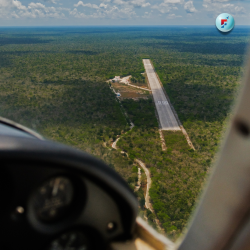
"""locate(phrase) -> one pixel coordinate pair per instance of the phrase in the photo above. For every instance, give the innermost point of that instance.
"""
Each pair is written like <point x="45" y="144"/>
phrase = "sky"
<point x="120" y="12"/>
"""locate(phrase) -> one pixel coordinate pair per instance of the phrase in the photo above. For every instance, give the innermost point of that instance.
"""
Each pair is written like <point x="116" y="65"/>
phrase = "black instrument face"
<point x="53" y="199"/>
<point x="74" y="240"/>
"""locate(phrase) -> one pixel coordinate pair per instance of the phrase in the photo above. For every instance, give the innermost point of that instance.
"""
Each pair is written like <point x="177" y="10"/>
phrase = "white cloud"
<point x="174" y="1"/>
<point x="134" y="3"/>
<point x="117" y="9"/>
<point x="92" y="6"/>
<point x="167" y="6"/>
<point x="239" y="9"/>
<point x="89" y="5"/>
<point x="15" y="9"/>
<point x="50" y="1"/>
<point x="172" y="16"/>
<point x="77" y="14"/>
<point x="224" y="1"/>
<point x="139" y="3"/>
<point x="36" y="5"/>
<point x="221" y="7"/>
<point x="189" y="7"/>
<point x="14" y="14"/>
<point x="171" y="5"/>
<point x="163" y="8"/>
<point x="102" y="5"/>
<point x="11" y="8"/>
<point x="119" y="2"/>
<point x="107" y="12"/>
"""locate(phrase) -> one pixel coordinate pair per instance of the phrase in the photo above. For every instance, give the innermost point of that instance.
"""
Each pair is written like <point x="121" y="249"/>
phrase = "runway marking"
<point x="162" y="103"/>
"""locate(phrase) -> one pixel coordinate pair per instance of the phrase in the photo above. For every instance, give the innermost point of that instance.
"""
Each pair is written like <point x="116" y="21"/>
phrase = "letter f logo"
<point x="223" y="21"/>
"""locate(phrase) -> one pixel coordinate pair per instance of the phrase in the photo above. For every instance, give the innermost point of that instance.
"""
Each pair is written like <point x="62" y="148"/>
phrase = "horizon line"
<point x="101" y="26"/>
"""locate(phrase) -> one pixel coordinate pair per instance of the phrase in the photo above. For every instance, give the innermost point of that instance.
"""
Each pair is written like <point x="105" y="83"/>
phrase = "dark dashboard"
<point x="56" y="197"/>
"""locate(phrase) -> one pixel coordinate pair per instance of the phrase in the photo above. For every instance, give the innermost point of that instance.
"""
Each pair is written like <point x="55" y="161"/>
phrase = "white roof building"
<point x="117" y="78"/>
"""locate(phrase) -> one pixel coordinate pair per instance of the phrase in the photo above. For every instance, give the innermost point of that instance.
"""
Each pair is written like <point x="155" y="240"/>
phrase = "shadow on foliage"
<point x="197" y="102"/>
<point x="76" y="105"/>
<point x="203" y="48"/>
<point x="83" y="52"/>
<point x="25" y="52"/>
<point x="5" y="61"/>
<point x="15" y="40"/>
<point x="39" y="35"/>
<point x="235" y="33"/>
<point x="109" y="30"/>
<point x="15" y="52"/>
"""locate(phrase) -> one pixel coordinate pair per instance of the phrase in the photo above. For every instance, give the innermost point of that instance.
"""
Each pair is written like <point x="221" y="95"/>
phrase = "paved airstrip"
<point x="165" y="113"/>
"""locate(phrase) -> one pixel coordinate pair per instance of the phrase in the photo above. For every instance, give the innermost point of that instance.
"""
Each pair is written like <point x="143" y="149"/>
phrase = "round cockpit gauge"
<point x="74" y="240"/>
<point x="52" y="200"/>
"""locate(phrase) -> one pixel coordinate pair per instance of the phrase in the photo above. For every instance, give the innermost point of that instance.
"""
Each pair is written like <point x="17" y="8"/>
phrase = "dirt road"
<point x="147" y="197"/>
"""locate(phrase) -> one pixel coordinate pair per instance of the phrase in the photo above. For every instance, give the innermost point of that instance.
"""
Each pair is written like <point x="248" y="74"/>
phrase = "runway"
<point x="165" y="113"/>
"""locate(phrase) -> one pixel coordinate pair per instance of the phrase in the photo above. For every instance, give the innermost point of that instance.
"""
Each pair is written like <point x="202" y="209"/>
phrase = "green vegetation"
<point x="53" y="80"/>
<point x="177" y="174"/>
<point x="175" y="140"/>
<point x="138" y="78"/>
<point x="141" y="198"/>
<point x="141" y="112"/>
<point x="71" y="113"/>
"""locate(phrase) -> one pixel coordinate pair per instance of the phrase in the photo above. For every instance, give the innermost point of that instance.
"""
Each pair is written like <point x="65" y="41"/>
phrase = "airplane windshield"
<point x="150" y="101"/>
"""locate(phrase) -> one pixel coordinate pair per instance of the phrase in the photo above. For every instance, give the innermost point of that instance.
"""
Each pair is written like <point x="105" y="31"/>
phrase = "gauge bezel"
<point x="73" y="211"/>
<point x="37" y="193"/>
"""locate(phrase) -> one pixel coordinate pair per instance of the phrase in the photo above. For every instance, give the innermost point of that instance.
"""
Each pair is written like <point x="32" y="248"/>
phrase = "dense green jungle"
<point x="53" y="80"/>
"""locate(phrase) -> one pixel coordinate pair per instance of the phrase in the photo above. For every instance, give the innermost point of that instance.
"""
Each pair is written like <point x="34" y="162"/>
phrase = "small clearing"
<point x="129" y="92"/>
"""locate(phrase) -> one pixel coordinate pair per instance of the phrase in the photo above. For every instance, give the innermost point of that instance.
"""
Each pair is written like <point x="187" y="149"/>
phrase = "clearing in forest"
<point x="127" y="91"/>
